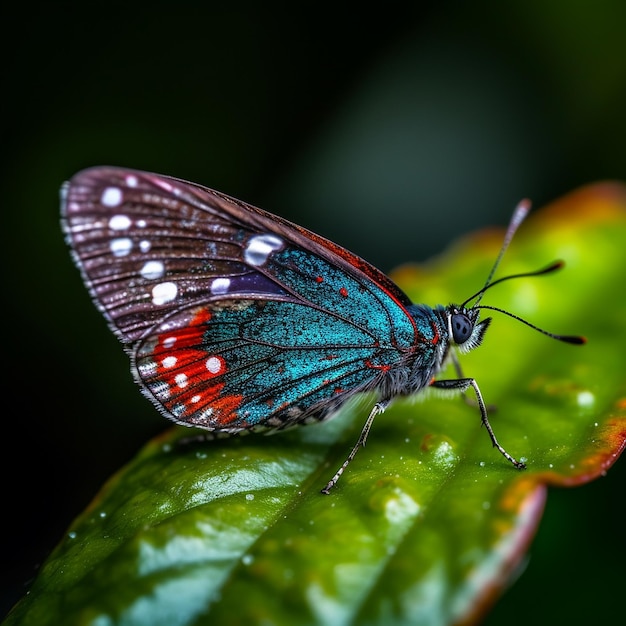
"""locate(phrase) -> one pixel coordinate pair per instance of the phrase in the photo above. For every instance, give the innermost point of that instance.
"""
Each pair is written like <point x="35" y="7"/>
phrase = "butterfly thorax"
<point x="425" y="358"/>
<point x="437" y="331"/>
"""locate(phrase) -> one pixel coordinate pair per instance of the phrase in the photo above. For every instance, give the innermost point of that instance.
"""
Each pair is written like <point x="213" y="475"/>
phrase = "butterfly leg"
<point x="463" y="384"/>
<point x="459" y="373"/>
<point x="378" y="408"/>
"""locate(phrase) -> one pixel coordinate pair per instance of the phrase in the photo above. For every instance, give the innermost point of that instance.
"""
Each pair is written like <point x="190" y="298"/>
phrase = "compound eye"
<point x="462" y="328"/>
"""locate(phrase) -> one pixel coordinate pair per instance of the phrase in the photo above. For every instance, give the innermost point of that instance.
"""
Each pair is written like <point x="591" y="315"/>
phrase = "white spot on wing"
<point x="214" y="364"/>
<point x="152" y="270"/>
<point x="120" y="222"/>
<point x="169" y="361"/>
<point x="121" y="246"/>
<point x="181" y="380"/>
<point x="168" y="342"/>
<point x="260" y="247"/>
<point x="131" y="180"/>
<point x="144" y="245"/>
<point x="164" y="293"/>
<point x="220" y="286"/>
<point x="111" y="196"/>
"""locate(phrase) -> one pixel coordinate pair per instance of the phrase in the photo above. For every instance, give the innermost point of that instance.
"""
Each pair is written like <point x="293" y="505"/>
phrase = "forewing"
<point x="147" y="245"/>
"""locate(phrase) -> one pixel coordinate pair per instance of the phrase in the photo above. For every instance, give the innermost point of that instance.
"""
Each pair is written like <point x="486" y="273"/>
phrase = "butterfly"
<point x="236" y="320"/>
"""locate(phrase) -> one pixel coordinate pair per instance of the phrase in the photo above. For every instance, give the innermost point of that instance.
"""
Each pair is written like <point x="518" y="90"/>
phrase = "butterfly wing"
<point x="233" y="318"/>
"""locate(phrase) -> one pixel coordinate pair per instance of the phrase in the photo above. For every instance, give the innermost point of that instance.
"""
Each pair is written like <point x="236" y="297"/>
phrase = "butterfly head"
<point x="464" y="329"/>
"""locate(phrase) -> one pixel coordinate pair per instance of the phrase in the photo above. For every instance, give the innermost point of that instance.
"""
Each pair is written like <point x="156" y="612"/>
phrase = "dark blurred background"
<point x="390" y="130"/>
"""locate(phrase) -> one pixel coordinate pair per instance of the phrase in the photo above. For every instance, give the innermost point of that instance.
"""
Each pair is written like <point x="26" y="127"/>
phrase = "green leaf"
<point x="429" y="523"/>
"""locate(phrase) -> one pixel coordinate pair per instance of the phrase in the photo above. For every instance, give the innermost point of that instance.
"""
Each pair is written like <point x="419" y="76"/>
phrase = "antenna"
<point x="519" y="214"/>
<point x="573" y="339"/>
<point x="555" y="265"/>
